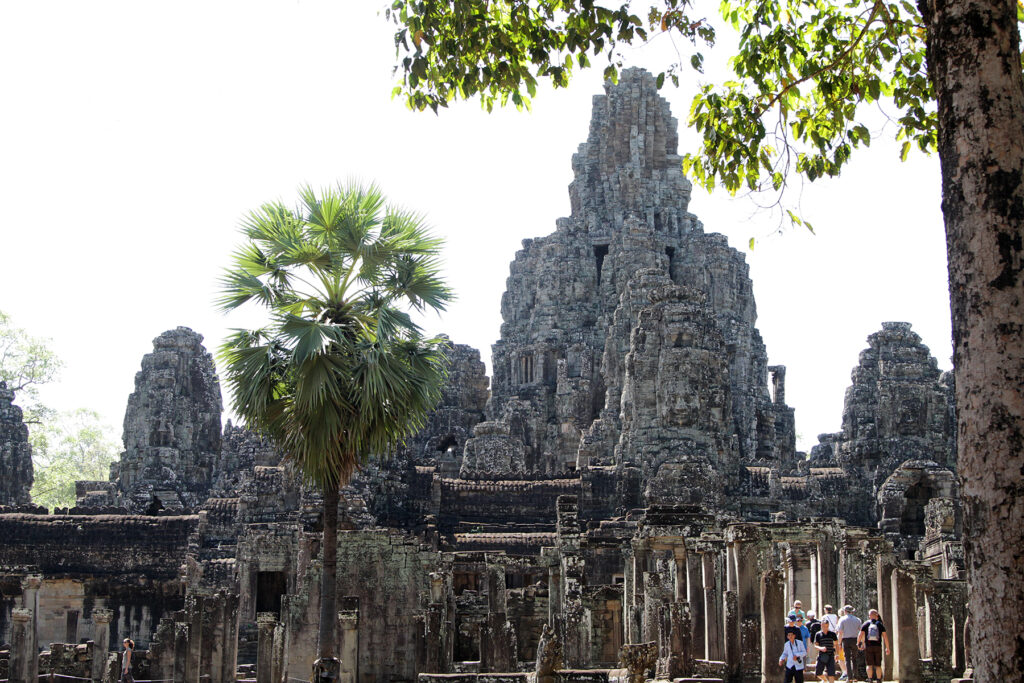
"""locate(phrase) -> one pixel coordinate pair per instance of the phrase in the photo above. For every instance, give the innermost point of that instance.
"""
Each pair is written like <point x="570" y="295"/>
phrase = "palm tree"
<point x="340" y="373"/>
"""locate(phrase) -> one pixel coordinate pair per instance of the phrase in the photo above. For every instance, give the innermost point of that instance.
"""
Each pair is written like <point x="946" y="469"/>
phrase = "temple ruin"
<point x="622" y="500"/>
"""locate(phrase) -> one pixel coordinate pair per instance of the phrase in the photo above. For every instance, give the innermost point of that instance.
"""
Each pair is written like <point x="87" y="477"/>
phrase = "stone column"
<point x="265" y="623"/>
<point x="348" y="626"/>
<point x="194" y="648"/>
<point x="886" y="563"/>
<point x="628" y="583"/>
<point x="773" y="613"/>
<point x="277" y="663"/>
<point x="733" y="652"/>
<point x="695" y="591"/>
<point x="747" y="558"/>
<point x="679" y="556"/>
<point x="180" y="648"/>
<point x="906" y="654"/>
<point x="101" y="640"/>
<point x="680" y="650"/>
<point x="712" y="606"/>
<point x="555" y="592"/>
<point x="30" y="596"/>
<point x="651" y="605"/>
<point x="815" y="603"/>
<point x="22" y="652"/>
<point x="827" y="584"/>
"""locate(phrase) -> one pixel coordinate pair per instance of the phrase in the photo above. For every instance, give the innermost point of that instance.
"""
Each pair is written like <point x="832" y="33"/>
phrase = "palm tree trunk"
<point x="974" y="65"/>
<point x="329" y="580"/>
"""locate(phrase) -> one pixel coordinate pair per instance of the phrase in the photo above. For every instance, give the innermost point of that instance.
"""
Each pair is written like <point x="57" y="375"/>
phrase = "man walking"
<point x="849" y="631"/>
<point x="832" y="619"/>
<point x="825" y="644"/>
<point x="871" y="636"/>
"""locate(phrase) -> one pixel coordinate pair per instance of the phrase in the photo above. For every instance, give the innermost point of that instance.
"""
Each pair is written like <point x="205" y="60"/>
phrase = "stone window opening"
<point x="671" y="253"/>
<point x="600" y="251"/>
<point x="270" y="586"/>
<point x="912" y="519"/>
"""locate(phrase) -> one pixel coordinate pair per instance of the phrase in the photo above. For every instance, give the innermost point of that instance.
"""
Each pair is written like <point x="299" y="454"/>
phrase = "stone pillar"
<point x="816" y="603"/>
<point x="555" y="592"/>
<point x="773" y="614"/>
<point x="348" y="626"/>
<point x="886" y="563"/>
<point x="827" y="583"/>
<point x="652" y="606"/>
<point x="265" y="623"/>
<point x="680" y="650"/>
<point x="906" y="654"/>
<point x="22" y="652"/>
<point x="712" y="606"/>
<point x="941" y="632"/>
<point x="194" y="648"/>
<point x="733" y="653"/>
<point x="101" y="640"/>
<point x="30" y="600"/>
<point x="630" y="634"/>
<point x="180" y="648"/>
<point x="576" y="621"/>
<point x="695" y="592"/>
<point x="277" y="663"/>
<point x="679" y="557"/>
<point x="747" y="557"/>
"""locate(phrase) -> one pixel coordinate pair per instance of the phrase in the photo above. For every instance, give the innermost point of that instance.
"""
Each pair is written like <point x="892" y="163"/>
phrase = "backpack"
<point x="873" y="632"/>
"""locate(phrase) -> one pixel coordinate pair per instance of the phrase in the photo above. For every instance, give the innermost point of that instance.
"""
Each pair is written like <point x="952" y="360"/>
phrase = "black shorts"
<point x="826" y="664"/>
<point x="873" y="654"/>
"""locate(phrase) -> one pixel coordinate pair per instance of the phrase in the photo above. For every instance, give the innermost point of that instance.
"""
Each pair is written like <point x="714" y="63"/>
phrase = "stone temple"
<point x="622" y="500"/>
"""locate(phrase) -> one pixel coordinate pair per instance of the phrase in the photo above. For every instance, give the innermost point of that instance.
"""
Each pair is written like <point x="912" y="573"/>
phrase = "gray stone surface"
<point x="172" y="426"/>
<point x="15" y="452"/>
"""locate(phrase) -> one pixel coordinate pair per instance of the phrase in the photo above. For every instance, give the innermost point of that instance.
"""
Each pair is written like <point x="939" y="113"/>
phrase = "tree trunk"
<point x="974" y="66"/>
<point x="329" y="580"/>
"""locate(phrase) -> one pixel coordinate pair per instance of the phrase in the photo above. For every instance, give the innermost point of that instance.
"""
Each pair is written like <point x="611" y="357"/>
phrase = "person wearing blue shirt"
<point x="793" y="655"/>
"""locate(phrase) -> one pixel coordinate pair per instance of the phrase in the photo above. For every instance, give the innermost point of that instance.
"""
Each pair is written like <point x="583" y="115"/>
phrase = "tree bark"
<point x="974" y="66"/>
<point x="329" y="581"/>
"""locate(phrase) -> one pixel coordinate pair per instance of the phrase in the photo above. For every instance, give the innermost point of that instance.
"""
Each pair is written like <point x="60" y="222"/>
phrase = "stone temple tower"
<point x="172" y="427"/>
<point x="15" y="452"/>
<point x="630" y="325"/>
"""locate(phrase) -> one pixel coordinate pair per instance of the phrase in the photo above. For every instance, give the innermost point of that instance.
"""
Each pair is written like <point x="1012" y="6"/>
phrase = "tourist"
<point x="832" y="619"/>
<point x="793" y="655"/>
<point x="812" y="624"/>
<point x="798" y="609"/>
<point x="126" y="661"/>
<point x="825" y="644"/>
<point x="848" y="632"/>
<point x="872" y="635"/>
<point x="805" y="634"/>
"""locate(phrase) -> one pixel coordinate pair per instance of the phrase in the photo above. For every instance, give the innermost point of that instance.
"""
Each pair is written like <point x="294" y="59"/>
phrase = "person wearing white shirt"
<point x="793" y="655"/>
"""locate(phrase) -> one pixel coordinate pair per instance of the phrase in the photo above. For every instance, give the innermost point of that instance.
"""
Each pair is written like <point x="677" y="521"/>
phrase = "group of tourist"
<point x="835" y="640"/>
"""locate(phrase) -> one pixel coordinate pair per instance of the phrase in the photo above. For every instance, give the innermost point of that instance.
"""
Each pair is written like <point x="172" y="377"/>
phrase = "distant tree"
<point x="340" y="374"/>
<point x="26" y="363"/>
<point x="803" y="70"/>
<point x="68" y="447"/>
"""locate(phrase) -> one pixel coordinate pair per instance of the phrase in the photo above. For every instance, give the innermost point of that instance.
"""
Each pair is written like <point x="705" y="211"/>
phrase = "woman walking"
<point x="126" y="661"/>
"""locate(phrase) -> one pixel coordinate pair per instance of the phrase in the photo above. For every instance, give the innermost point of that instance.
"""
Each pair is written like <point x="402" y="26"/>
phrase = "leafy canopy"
<point x="26" y="363"/>
<point x="67" y="447"/>
<point x="801" y="75"/>
<point x="341" y="372"/>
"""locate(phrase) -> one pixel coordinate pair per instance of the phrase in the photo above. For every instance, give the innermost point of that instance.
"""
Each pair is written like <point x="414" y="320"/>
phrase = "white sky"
<point x="134" y="135"/>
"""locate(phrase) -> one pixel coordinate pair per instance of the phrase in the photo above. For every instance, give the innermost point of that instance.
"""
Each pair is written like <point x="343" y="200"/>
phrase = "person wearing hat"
<point x="793" y="655"/>
<point x="848" y="632"/>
